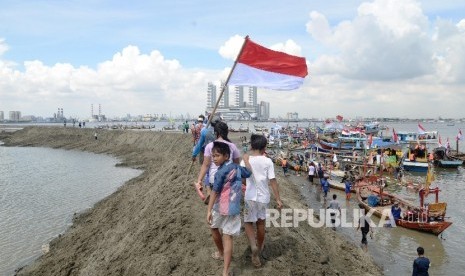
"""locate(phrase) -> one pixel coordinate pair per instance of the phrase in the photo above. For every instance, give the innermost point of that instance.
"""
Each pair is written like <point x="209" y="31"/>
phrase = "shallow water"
<point x="41" y="189"/>
<point x="394" y="249"/>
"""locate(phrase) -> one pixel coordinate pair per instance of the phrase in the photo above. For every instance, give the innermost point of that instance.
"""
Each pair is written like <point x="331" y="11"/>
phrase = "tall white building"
<point x="14" y="116"/>
<point x="239" y="96"/>
<point x="224" y="101"/>
<point x="252" y="96"/>
<point x="264" y="110"/>
<point x="211" y="95"/>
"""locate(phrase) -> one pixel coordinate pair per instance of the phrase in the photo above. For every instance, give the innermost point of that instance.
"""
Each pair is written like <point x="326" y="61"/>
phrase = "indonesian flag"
<point x="262" y="67"/>
<point x="440" y="141"/>
<point x="421" y="129"/>
<point x="394" y="136"/>
<point x="459" y="135"/>
<point x="339" y="118"/>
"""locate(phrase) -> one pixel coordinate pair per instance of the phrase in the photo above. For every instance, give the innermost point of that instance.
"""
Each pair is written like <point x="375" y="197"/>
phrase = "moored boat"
<point x="429" y="220"/>
<point x="442" y="159"/>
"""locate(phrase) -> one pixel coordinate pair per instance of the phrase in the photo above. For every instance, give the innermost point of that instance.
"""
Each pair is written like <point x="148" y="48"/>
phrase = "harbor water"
<point x="40" y="191"/>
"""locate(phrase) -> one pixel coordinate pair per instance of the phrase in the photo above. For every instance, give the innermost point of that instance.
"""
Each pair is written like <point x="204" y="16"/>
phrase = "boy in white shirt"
<point x="257" y="195"/>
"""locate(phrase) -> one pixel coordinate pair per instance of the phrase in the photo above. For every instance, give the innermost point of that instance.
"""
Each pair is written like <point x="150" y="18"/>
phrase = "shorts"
<point x="231" y="225"/>
<point x="253" y="211"/>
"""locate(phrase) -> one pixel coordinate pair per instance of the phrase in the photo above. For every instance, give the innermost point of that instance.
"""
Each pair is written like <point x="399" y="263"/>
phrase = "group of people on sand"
<point x="227" y="179"/>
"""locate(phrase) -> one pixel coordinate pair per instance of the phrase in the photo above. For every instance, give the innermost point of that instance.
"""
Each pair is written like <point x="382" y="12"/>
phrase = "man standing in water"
<point x="364" y="225"/>
<point x="420" y="264"/>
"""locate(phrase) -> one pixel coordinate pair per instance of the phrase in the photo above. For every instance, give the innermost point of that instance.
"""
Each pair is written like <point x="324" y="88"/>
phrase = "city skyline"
<point x="378" y="58"/>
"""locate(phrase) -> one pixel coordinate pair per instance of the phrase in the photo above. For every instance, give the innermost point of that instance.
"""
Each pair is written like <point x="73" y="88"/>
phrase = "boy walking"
<point x="223" y="210"/>
<point x="257" y="195"/>
<point x="334" y="207"/>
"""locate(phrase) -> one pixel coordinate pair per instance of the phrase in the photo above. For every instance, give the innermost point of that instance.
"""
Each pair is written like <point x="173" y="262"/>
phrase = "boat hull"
<point x="431" y="227"/>
<point x="415" y="166"/>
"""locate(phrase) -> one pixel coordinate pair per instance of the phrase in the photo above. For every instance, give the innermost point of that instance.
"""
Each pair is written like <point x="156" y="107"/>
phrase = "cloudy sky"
<point x="390" y="58"/>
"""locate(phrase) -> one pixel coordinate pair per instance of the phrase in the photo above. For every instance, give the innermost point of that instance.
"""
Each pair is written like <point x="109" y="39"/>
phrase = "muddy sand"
<point x="155" y="224"/>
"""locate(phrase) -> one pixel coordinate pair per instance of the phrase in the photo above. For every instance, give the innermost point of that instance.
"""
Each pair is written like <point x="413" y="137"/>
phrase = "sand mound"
<point x="155" y="223"/>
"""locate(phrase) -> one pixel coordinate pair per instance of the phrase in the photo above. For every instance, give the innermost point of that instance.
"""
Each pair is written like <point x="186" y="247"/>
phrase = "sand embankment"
<point x="155" y="223"/>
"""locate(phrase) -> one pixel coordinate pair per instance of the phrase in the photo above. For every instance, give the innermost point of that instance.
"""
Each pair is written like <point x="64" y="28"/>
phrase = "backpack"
<point x="209" y="137"/>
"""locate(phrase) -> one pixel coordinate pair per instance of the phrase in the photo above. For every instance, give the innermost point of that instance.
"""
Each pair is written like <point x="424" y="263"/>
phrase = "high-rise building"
<point x="264" y="110"/>
<point x="211" y="95"/>
<point x="14" y="116"/>
<point x="239" y="96"/>
<point x="252" y="96"/>
<point x="1" y="116"/>
<point x="224" y="102"/>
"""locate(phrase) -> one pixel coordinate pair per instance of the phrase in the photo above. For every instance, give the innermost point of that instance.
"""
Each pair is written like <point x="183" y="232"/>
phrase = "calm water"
<point x="41" y="189"/>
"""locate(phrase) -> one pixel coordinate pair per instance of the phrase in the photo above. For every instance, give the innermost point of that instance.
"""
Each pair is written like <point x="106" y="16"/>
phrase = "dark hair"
<point x="221" y="130"/>
<point x="221" y="148"/>
<point x="258" y="142"/>
<point x="334" y="196"/>
<point x="420" y="250"/>
<point x="202" y="116"/>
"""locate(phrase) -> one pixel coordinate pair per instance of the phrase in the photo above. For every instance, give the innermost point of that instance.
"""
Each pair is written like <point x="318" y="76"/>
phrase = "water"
<point x="41" y="189"/>
<point x="395" y="248"/>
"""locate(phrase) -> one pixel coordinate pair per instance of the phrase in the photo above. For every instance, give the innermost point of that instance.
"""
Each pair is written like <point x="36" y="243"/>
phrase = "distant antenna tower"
<point x="92" y="110"/>
<point x="99" y="110"/>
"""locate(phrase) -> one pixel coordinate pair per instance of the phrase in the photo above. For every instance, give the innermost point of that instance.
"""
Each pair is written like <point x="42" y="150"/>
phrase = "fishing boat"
<point x="355" y="143"/>
<point x="431" y="219"/>
<point x="428" y="137"/>
<point x="415" y="158"/>
<point x="442" y="159"/>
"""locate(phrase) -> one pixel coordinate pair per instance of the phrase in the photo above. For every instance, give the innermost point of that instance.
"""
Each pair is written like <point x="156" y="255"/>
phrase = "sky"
<point x="381" y="58"/>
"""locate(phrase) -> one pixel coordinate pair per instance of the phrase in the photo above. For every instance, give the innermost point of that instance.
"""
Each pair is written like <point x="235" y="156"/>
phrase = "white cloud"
<point x="131" y="82"/>
<point x="387" y="40"/>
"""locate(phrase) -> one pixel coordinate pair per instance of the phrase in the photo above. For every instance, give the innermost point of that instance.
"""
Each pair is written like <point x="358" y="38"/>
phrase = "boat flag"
<point x="394" y="136"/>
<point x="459" y="135"/>
<point x="262" y="67"/>
<point x="421" y="129"/>
<point x="339" y="118"/>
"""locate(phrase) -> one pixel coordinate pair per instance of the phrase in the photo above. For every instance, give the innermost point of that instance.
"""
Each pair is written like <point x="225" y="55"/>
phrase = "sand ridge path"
<point x="155" y="223"/>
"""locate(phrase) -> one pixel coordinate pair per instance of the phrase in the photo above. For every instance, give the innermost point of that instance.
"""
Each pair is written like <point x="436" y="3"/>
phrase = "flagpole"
<point x="227" y="81"/>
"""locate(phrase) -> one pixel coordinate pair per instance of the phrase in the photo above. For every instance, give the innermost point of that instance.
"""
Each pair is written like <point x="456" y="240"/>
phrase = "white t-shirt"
<point x="334" y="158"/>
<point x="258" y="184"/>
<point x="311" y="170"/>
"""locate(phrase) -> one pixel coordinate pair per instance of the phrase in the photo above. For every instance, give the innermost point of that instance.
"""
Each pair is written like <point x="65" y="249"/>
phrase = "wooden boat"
<point x="442" y="159"/>
<point x="416" y="158"/>
<point x="431" y="220"/>
<point x="240" y="129"/>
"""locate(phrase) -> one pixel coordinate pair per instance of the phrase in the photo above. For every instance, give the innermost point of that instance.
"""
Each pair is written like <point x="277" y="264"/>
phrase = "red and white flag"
<point x="440" y="141"/>
<point x="459" y="135"/>
<point x="421" y="129"/>
<point x="262" y="67"/>
<point x="395" y="138"/>
<point x="339" y="118"/>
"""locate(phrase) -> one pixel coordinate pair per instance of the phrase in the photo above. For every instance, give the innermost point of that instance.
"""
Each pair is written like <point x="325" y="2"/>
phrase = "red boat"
<point x="430" y="220"/>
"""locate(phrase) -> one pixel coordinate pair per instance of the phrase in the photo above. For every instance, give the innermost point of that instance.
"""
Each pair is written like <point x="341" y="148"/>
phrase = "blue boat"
<point x="443" y="160"/>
